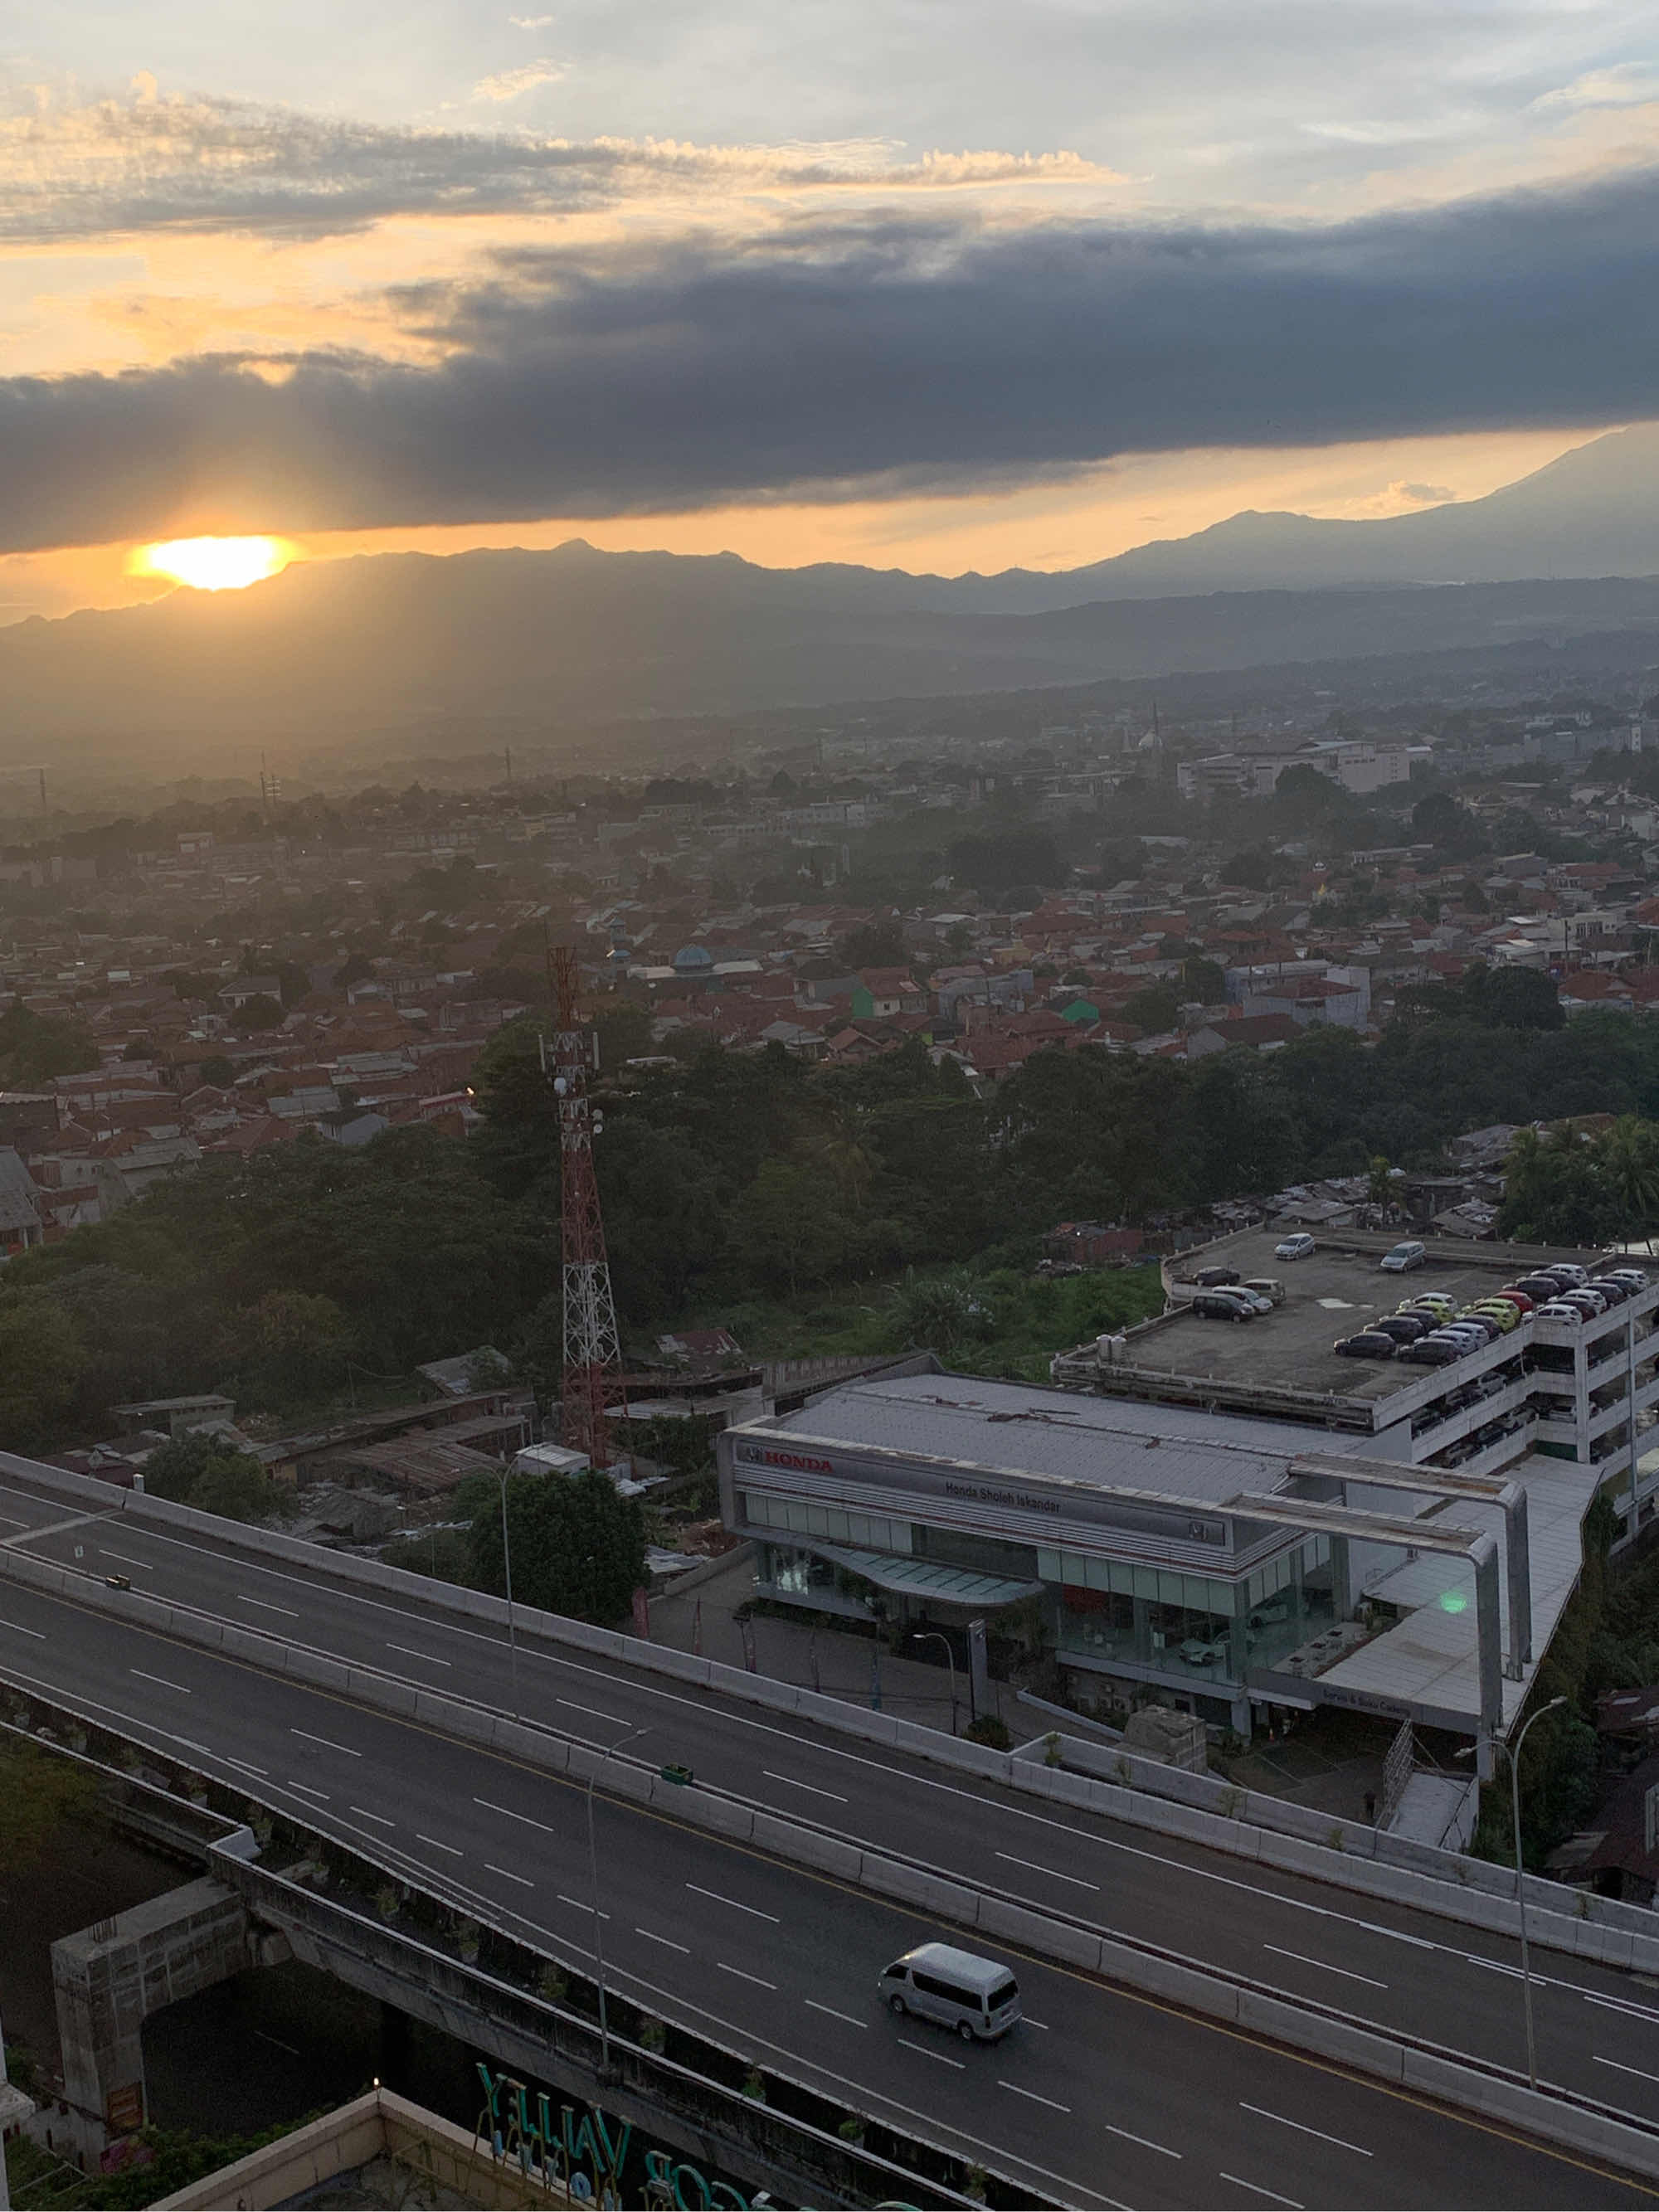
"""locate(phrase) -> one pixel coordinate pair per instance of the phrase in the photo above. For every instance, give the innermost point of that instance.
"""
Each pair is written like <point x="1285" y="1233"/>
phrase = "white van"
<point x="975" y="1996"/>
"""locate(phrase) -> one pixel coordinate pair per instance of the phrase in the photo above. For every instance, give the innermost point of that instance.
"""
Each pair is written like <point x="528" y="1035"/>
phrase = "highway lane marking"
<point x="1080" y="2191"/>
<point x="1303" y="1959"/>
<point x="163" y="1679"/>
<point x="506" y="1875"/>
<point x="1239" y="2182"/>
<point x="437" y="1846"/>
<point x="264" y="1606"/>
<point x="18" y="1629"/>
<point x="1052" y="2104"/>
<point x="145" y="1566"/>
<point x="667" y="1941"/>
<point x="1618" y="2068"/>
<point x="1027" y="2021"/>
<point x="1262" y="2113"/>
<point x="723" y="1968"/>
<point x="1032" y="1867"/>
<point x="753" y="1909"/>
<point x="379" y="1819"/>
<point x="246" y="1766"/>
<point x="1146" y="2141"/>
<point x="508" y="1812"/>
<point x="845" y="2018"/>
<point x="12" y="1522"/>
<point x="141" y="1726"/>
<point x="1614" y="2004"/>
<point x="327" y="1742"/>
<point x="291" y="2048"/>
<point x="811" y="1788"/>
<point x="593" y="1712"/>
<point x="943" y="2058"/>
<point x="647" y="1689"/>
<point x="577" y="1904"/>
<point x="411" y="1654"/>
<point x="306" y="1790"/>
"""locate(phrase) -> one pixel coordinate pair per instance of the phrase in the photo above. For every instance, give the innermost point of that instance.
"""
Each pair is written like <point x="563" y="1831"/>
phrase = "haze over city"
<point x="829" y="1104"/>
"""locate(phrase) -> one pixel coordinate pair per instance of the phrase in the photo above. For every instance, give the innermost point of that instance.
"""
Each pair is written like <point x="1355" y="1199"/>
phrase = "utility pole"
<point x="593" y="1349"/>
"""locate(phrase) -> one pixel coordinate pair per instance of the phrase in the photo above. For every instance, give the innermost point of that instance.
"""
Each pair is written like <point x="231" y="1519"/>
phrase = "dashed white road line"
<point x="506" y="1875"/>
<point x="1075" y="1880"/>
<point x="577" y="1904"/>
<point x="287" y="1611"/>
<point x="1054" y="2106"/>
<point x="327" y="1741"/>
<point x="811" y="1788"/>
<point x="943" y="2058"/>
<point x="1025" y="2021"/>
<point x="1619" y="2068"/>
<point x="739" y="1975"/>
<point x="437" y="1846"/>
<point x="1303" y="1959"/>
<point x="1256" y="2188"/>
<point x="845" y="2018"/>
<point x="410" y="1653"/>
<point x="145" y="1566"/>
<point x="1262" y="2113"/>
<point x="379" y="1819"/>
<point x="306" y="1790"/>
<point x="508" y="1812"/>
<point x="246" y="1766"/>
<point x="163" y="1679"/>
<point x="668" y="1942"/>
<point x="18" y="1629"/>
<point x="753" y="1911"/>
<point x="592" y="1711"/>
<point x="1146" y="2141"/>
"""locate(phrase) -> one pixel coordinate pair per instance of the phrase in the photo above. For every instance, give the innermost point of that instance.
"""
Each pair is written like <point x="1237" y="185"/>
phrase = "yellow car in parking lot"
<point x="1435" y="1302"/>
<point x="1499" y="1309"/>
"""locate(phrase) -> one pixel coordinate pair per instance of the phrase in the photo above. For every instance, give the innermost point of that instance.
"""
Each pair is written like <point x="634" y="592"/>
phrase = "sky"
<point x="927" y="283"/>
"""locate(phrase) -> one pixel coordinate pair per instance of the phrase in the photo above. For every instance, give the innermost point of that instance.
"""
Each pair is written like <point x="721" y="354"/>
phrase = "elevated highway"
<point x="1103" y="2095"/>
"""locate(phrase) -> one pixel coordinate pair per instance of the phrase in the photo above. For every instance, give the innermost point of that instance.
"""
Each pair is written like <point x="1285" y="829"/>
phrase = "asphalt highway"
<point x="1103" y="2097"/>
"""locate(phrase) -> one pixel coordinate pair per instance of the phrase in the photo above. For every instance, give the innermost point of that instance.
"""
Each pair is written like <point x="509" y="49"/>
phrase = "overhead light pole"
<point x="610" y="1751"/>
<point x="506" y="1570"/>
<point x="1512" y="1752"/>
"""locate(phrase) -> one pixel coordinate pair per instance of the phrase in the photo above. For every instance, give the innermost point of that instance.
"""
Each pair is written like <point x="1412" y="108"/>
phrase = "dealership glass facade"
<point x="1196" y="1626"/>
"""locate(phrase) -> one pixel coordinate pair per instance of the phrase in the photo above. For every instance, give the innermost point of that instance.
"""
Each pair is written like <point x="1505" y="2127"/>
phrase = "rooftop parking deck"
<point x="1332" y="1294"/>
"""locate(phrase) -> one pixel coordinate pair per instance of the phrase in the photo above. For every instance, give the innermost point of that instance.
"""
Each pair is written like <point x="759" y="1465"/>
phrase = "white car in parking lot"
<point x="1299" y="1247"/>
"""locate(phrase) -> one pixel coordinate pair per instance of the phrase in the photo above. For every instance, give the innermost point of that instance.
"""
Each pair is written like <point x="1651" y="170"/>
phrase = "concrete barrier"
<point x="911" y="1885"/>
<point x="823" y="1854"/>
<point x="1018" y="1924"/>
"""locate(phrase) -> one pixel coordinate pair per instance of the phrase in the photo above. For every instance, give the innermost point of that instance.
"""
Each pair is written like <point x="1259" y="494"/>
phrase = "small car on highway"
<point x="958" y="1989"/>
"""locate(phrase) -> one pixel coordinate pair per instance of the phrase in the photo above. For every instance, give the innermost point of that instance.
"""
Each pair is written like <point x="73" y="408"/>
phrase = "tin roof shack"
<point x="1617" y="1856"/>
<point x="492" y="1424"/>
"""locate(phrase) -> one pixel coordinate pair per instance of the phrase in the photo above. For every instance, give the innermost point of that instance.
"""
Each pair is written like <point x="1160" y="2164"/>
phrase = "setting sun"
<point x="214" y="564"/>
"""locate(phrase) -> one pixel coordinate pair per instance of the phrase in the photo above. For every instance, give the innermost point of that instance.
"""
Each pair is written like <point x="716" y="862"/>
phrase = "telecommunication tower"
<point x="592" y="1352"/>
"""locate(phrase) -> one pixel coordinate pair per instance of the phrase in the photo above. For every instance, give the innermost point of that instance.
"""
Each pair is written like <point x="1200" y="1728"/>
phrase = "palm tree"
<point x="1630" y="1162"/>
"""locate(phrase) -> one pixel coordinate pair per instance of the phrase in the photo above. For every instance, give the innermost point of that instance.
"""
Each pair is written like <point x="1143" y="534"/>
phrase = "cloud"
<point x="1625" y="84"/>
<point x="514" y="83"/>
<point x="115" y="168"/>
<point x="892" y="351"/>
<point x="530" y="22"/>
<point x="1421" y="495"/>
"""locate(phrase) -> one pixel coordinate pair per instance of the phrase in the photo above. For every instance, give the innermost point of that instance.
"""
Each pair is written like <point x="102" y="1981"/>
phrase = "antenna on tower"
<point x="43" y="791"/>
<point x="593" y="1351"/>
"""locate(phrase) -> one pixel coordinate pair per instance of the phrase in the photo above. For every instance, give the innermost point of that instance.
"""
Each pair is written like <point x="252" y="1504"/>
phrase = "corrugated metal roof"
<point x="1062" y="1435"/>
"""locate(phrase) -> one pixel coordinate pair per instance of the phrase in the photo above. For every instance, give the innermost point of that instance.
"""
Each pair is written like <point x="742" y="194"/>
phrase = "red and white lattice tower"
<point x="592" y="1353"/>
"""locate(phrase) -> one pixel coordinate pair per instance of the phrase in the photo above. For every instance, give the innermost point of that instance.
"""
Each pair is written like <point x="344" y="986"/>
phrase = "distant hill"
<point x="381" y="647"/>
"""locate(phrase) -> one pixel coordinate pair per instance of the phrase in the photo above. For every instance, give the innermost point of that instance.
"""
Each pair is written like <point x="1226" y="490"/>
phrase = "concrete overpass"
<point x="711" y="1932"/>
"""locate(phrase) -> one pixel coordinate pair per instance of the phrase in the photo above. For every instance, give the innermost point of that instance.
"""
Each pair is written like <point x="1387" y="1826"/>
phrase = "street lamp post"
<point x="934" y="1636"/>
<point x="1512" y="1752"/>
<point x="611" y="1750"/>
<point x="506" y="1569"/>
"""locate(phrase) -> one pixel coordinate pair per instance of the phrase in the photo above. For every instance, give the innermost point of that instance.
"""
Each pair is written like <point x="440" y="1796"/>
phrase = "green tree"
<point x="873" y="945"/>
<point x="42" y="1360"/>
<point x="261" y="1012"/>
<point x="1203" y="980"/>
<point x="218" y="1070"/>
<point x="35" y="1047"/>
<point x="293" y="1344"/>
<point x="202" y="1470"/>
<point x="789" y="1226"/>
<point x="578" y="1545"/>
<point x="940" y="1313"/>
<point x="1154" y="1008"/>
<point x="1439" y="820"/>
<point x="1629" y="1159"/>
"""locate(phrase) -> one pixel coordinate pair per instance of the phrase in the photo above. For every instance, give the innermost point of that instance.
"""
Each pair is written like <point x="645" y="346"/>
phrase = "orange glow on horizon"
<point x="214" y="564"/>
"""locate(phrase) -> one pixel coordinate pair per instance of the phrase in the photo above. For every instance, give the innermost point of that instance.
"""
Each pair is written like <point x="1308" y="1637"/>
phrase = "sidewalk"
<point x="836" y="1661"/>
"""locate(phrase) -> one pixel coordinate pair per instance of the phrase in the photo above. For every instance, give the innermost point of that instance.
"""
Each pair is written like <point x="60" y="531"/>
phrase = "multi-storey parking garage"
<point x="1195" y="1534"/>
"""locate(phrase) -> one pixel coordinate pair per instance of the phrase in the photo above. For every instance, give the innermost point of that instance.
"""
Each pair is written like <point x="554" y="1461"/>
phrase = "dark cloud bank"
<point x="889" y="353"/>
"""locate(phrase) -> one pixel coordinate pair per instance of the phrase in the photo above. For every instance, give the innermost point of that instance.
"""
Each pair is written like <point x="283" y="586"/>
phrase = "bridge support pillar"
<point x="109" y="1978"/>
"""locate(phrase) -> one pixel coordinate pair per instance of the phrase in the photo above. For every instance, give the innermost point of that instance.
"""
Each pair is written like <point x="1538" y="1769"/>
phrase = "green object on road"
<point x="681" y="1775"/>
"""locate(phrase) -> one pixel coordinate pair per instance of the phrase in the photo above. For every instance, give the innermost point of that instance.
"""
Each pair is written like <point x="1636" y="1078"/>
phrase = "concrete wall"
<point x="110" y="1978"/>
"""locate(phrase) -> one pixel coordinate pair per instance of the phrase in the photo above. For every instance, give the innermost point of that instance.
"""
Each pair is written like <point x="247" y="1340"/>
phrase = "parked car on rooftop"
<point x="1402" y="1257"/>
<point x="1366" y="1344"/>
<point x="1299" y="1247"/>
